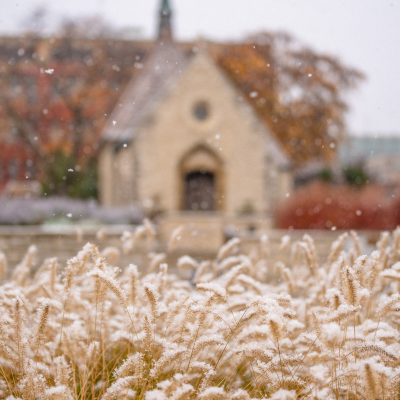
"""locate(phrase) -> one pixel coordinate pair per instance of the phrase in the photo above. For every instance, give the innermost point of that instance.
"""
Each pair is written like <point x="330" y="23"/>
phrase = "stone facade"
<point x="249" y="168"/>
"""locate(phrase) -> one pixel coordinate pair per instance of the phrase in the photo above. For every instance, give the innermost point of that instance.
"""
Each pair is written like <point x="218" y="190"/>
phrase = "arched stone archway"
<point x="201" y="180"/>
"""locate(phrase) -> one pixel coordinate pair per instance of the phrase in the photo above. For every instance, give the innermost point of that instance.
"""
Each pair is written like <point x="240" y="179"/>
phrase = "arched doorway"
<point x="199" y="191"/>
<point x="201" y="180"/>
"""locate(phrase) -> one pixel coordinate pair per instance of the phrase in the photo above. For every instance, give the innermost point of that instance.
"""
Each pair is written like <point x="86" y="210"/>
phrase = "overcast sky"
<point x="362" y="33"/>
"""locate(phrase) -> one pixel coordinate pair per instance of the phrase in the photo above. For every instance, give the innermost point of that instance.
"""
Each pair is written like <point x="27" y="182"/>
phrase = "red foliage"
<point x="323" y="206"/>
<point x="395" y="211"/>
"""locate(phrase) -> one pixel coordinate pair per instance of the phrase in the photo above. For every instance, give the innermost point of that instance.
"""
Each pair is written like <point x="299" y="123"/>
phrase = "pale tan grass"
<point x="307" y="328"/>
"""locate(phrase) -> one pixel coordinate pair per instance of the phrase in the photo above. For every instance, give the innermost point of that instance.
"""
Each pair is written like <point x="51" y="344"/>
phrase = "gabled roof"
<point x="144" y="91"/>
<point x="276" y="151"/>
<point x="163" y="66"/>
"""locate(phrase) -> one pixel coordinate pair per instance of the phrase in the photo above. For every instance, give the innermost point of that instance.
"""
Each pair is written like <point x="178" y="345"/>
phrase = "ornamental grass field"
<point x="242" y="327"/>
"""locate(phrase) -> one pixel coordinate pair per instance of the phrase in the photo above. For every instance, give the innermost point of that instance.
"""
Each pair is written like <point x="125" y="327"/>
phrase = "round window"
<point x="201" y="111"/>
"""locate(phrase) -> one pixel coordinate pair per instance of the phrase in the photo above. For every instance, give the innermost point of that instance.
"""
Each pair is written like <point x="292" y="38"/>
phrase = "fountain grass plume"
<point x="303" y="328"/>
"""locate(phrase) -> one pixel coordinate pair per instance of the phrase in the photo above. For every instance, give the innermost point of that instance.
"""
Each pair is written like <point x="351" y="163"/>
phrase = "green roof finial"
<point x="165" y="7"/>
<point x="165" y="29"/>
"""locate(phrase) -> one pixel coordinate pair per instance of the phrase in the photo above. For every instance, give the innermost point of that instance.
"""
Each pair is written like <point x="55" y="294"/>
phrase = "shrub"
<point x="355" y="176"/>
<point x="21" y="211"/>
<point x="326" y="175"/>
<point x="323" y="206"/>
<point x="64" y="178"/>
<point x="240" y="329"/>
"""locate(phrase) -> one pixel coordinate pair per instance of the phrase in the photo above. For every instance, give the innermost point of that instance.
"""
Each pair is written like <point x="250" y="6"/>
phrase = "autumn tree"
<point x="58" y="92"/>
<point x="298" y="93"/>
<point x="56" y="96"/>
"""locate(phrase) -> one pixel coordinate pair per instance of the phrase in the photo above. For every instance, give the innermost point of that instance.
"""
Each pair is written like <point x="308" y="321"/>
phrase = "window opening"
<point x="201" y="111"/>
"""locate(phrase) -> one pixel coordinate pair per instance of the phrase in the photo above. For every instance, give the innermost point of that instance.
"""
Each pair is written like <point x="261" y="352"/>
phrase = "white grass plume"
<point x="384" y="307"/>
<point x="336" y="248"/>
<point x="152" y="297"/>
<point x="41" y="321"/>
<point x="176" y="236"/>
<point x="111" y="283"/>
<point x="187" y="262"/>
<point x="167" y="360"/>
<point x="134" y="282"/>
<point x="227" y="248"/>
<point x="156" y="260"/>
<point x="22" y="271"/>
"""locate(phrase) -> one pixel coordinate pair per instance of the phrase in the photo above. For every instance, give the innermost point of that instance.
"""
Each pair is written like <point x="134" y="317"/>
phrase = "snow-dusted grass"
<point x="241" y="328"/>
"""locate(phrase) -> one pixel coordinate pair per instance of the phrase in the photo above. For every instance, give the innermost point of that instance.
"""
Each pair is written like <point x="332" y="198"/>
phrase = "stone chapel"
<point x="182" y="139"/>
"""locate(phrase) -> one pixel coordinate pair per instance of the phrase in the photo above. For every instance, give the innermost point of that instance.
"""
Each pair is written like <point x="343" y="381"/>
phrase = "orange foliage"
<point x="58" y="102"/>
<point x="297" y="92"/>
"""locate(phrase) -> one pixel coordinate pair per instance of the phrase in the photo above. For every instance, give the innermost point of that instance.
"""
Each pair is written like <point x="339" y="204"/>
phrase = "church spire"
<point x="165" y="29"/>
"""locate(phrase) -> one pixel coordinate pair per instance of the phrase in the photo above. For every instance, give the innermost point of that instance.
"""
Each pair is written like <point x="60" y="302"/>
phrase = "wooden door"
<point x="199" y="191"/>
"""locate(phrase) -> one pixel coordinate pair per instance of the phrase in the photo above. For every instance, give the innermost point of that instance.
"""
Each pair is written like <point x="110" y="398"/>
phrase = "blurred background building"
<point x="69" y="127"/>
<point x="378" y="155"/>
<point x="183" y="137"/>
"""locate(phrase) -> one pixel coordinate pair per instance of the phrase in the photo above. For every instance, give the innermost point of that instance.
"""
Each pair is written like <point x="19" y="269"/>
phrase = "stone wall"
<point x="65" y="243"/>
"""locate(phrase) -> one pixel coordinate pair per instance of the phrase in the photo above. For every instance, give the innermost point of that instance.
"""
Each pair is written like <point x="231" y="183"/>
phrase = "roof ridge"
<point x="143" y="91"/>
